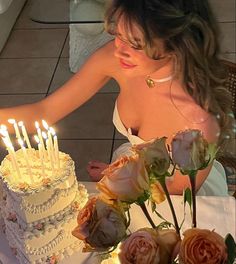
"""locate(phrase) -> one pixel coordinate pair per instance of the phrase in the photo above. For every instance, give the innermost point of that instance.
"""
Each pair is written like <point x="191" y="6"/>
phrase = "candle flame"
<point x="37" y="139"/>
<point x="37" y="124"/>
<point x="52" y="131"/>
<point x="45" y="124"/>
<point x="3" y="127"/>
<point x="20" y="123"/>
<point x="11" y="121"/>
<point x="44" y="135"/>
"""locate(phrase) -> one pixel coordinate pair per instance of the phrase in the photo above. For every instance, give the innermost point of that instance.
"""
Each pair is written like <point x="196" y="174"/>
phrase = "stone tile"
<point x="93" y="120"/>
<point x="24" y="21"/>
<point x="118" y="135"/>
<point x="110" y="87"/>
<point x="62" y="74"/>
<point x="34" y="43"/>
<point x="83" y="151"/>
<point x="65" y="51"/>
<point x="227" y="38"/>
<point x="14" y="100"/>
<point x="223" y="10"/>
<point x="26" y="75"/>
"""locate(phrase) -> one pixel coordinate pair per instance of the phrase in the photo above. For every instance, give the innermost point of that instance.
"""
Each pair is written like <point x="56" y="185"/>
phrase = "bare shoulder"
<point x="103" y="59"/>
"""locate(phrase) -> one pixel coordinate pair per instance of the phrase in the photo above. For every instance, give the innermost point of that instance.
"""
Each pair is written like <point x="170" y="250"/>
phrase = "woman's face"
<point x="132" y="58"/>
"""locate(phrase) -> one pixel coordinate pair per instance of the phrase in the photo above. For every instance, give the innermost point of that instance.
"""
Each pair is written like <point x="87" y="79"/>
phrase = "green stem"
<point x="163" y="184"/>
<point x="192" y="177"/>
<point x="145" y="211"/>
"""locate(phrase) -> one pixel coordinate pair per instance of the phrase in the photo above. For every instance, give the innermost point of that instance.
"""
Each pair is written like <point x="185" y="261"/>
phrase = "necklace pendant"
<point x="150" y="83"/>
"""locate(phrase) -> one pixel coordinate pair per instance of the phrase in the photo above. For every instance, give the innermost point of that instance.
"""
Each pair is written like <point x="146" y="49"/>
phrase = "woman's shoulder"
<point x="104" y="57"/>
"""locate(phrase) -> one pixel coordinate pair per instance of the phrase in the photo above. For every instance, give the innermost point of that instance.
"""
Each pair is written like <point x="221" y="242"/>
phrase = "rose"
<point x="126" y="179"/>
<point x="155" y="155"/>
<point x="149" y="246"/>
<point x="100" y="225"/>
<point x="202" y="246"/>
<point x="190" y="151"/>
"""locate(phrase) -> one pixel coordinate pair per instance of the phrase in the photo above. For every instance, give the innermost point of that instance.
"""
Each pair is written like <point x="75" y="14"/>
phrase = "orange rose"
<point x="202" y="246"/>
<point x="148" y="246"/>
<point x="126" y="179"/>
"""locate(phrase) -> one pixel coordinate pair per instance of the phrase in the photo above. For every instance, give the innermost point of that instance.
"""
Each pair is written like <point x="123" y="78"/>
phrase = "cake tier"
<point x="47" y="237"/>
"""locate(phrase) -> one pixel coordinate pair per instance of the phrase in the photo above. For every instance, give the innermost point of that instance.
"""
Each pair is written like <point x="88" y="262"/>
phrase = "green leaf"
<point x="153" y="206"/>
<point x="188" y="197"/>
<point x="231" y="248"/>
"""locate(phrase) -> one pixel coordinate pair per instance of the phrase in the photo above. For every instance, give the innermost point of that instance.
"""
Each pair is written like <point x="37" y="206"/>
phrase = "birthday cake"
<point x="40" y="203"/>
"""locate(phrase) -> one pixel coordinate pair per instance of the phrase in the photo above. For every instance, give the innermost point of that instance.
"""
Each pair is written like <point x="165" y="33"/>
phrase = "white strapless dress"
<point x="215" y="183"/>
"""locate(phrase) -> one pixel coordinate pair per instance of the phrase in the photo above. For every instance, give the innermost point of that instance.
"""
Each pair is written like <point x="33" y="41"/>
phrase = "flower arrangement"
<point x="103" y="224"/>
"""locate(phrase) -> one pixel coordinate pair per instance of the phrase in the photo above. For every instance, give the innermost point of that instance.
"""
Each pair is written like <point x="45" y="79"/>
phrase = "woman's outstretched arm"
<point x="82" y="86"/>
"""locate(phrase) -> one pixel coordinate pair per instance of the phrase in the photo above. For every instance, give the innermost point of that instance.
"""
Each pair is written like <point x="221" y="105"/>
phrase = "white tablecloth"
<point x="217" y="213"/>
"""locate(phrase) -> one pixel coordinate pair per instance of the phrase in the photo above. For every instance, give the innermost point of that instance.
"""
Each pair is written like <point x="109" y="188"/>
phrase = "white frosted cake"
<point x="40" y="207"/>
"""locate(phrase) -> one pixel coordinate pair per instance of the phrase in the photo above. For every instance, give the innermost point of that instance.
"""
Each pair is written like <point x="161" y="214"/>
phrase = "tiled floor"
<point x="34" y="62"/>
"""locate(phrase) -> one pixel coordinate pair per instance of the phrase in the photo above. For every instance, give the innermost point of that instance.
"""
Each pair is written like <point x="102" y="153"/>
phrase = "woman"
<point x="164" y="58"/>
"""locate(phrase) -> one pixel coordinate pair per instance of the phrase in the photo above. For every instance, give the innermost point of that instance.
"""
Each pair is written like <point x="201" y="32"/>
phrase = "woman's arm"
<point x="82" y="86"/>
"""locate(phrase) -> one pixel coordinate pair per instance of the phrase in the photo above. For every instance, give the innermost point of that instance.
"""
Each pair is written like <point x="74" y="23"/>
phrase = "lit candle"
<point x="17" y="131"/>
<point x="25" y="135"/>
<point x="41" y="156"/>
<point x="4" y="132"/>
<point x="12" y="155"/>
<point x="49" y="136"/>
<point x="21" y="143"/>
<point x="50" y="154"/>
<point x="39" y="132"/>
<point x="56" y="148"/>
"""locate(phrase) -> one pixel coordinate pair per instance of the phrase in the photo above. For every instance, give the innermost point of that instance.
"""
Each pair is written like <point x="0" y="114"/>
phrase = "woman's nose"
<point x="122" y="49"/>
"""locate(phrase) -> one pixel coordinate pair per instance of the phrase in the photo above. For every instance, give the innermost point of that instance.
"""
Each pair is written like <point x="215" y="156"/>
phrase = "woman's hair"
<point x="189" y="30"/>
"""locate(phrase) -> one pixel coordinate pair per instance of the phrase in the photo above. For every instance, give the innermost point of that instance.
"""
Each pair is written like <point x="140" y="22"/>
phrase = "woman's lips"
<point x="126" y="65"/>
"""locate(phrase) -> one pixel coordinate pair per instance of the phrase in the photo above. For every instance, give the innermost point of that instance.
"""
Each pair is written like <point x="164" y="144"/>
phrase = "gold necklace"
<point x="152" y="82"/>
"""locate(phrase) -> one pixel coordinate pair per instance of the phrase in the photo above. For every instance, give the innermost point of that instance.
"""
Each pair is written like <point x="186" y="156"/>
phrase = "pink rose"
<point x="100" y="225"/>
<point x="126" y="179"/>
<point x="149" y="246"/>
<point x="190" y="151"/>
<point x="202" y="246"/>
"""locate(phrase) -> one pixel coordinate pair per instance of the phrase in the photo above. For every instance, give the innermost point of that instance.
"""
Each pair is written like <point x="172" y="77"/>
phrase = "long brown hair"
<point x="189" y="30"/>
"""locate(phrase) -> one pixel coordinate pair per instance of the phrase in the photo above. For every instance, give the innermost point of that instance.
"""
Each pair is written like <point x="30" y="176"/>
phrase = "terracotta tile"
<point x="83" y="151"/>
<point x="26" y="75"/>
<point x="34" y="43"/>
<point x="93" y="120"/>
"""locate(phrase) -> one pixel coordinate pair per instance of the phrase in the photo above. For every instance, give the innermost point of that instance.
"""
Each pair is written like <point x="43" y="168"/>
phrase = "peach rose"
<point x="100" y="225"/>
<point x="202" y="246"/>
<point x="126" y="179"/>
<point x="149" y="246"/>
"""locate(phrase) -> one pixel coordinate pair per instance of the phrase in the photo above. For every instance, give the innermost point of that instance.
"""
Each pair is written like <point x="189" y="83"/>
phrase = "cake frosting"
<point x="40" y="207"/>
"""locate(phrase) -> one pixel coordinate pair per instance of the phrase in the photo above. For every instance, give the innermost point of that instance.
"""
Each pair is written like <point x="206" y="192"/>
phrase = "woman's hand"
<point x="95" y="169"/>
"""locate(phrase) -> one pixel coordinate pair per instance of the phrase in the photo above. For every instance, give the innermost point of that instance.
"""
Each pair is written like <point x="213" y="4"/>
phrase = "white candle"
<point x="4" y="132"/>
<point x="39" y="132"/>
<point x="50" y="154"/>
<point x="41" y="155"/>
<point x="49" y="136"/>
<point x="17" y="131"/>
<point x="12" y="155"/>
<point x="21" y="143"/>
<point x="25" y="135"/>
<point x="56" y="148"/>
